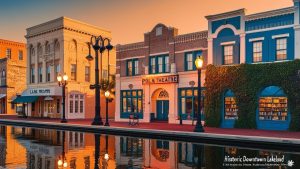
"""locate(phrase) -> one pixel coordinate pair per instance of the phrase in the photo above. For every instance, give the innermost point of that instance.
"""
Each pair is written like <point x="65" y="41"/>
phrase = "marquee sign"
<point x="160" y="79"/>
<point x="49" y="91"/>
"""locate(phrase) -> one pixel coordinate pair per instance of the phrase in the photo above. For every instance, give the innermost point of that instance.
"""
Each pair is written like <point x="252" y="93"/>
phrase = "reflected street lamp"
<point x="62" y="162"/>
<point x="62" y="81"/>
<point x="107" y="94"/>
<point x="98" y="44"/>
<point x="199" y="65"/>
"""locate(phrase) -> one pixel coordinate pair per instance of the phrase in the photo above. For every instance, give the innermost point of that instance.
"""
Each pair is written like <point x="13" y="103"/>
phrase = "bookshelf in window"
<point x="273" y="108"/>
<point x="230" y="108"/>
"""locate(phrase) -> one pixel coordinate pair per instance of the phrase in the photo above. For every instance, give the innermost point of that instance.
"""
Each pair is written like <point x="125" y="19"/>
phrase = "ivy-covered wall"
<point x="246" y="81"/>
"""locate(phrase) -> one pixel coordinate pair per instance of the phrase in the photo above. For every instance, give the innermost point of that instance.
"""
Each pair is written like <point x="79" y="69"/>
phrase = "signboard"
<point x="160" y="79"/>
<point x="49" y="91"/>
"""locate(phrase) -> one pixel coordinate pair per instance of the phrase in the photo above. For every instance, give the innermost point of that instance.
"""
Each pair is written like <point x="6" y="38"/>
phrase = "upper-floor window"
<point x="281" y="49"/>
<point x="257" y="51"/>
<point x="8" y="53"/>
<point x="73" y="71"/>
<point x="57" y="69"/>
<point x="3" y="77"/>
<point x="87" y="73"/>
<point x="158" y="31"/>
<point x="132" y="67"/>
<point x="47" y="48"/>
<point x="228" y="54"/>
<point x="20" y="55"/>
<point x="32" y="75"/>
<point x="48" y="73"/>
<point x="40" y="73"/>
<point x="159" y="64"/>
<point x="189" y="60"/>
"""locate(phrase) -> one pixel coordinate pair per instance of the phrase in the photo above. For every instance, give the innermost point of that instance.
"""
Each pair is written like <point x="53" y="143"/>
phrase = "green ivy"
<point x="246" y="81"/>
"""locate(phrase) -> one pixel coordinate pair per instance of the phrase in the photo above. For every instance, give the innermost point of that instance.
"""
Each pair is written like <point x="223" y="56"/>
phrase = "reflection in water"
<point x="51" y="149"/>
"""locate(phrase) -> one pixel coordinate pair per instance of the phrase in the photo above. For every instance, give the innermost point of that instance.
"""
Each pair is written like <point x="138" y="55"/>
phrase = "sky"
<point x="128" y="20"/>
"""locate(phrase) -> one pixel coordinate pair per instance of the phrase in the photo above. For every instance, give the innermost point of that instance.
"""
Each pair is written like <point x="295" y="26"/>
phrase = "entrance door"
<point x="162" y="109"/>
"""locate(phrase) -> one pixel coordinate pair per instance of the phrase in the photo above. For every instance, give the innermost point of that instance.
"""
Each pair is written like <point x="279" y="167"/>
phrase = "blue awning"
<point x="25" y="99"/>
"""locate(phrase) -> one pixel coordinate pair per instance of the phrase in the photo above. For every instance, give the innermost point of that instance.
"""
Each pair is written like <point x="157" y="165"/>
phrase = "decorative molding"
<point x="228" y="43"/>
<point x="134" y="57"/>
<point x="160" y="53"/>
<point x="281" y="36"/>
<point x="256" y="39"/>
<point x="268" y="14"/>
<point x="236" y="32"/>
<point x="131" y="46"/>
<point x="270" y="29"/>
<point x="229" y="14"/>
<point x="190" y="37"/>
<point x="190" y="50"/>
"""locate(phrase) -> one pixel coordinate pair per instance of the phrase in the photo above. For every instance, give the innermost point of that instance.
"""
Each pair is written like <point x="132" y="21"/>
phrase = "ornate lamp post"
<point x="107" y="94"/>
<point x="62" y="81"/>
<point x="199" y="65"/>
<point x="98" y="44"/>
<point x="62" y="162"/>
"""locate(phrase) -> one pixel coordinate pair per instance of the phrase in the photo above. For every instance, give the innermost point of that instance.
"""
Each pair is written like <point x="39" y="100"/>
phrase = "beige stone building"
<point x="12" y="74"/>
<point x="56" y="47"/>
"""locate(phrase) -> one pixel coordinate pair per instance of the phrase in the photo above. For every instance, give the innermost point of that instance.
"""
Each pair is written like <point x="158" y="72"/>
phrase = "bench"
<point x="133" y="119"/>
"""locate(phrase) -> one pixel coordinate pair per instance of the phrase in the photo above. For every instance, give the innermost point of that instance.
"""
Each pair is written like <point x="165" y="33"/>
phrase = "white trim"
<point x="257" y="39"/>
<point x="135" y="57"/>
<point x="227" y="43"/>
<point x="190" y="50"/>
<point x="161" y="53"/>
<point x="281" y="36"/>
<point x="236" y="32"/>
<point x="270" y="29"/>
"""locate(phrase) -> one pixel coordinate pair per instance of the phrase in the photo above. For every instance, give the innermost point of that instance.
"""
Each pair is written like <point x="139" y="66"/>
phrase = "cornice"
<point x="238" y="12"/>
<point x="268" y="14"/>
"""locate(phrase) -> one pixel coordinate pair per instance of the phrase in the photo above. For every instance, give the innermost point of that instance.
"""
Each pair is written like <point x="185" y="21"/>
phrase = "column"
<point x="210" y="51"/>
<point x="36" y="64"/>
<point x="118" y="102"/>
<point x="52" y="50"/>
<point x="242" y="48"/>
<point x="147" y="103"/>
<point x="297" y="29"/>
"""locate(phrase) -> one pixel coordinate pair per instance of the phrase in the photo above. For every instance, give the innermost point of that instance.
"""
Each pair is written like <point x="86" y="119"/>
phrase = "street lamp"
<point x="98" y="44"/>
<point x="199" y="65"/>
<point x="107" y="94"/>
<point x="62" y="81"/>
<point x="62" y="162"/>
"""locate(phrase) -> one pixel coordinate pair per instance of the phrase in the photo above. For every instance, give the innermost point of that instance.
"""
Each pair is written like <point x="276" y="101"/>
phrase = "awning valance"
<point x="25" y="99"/>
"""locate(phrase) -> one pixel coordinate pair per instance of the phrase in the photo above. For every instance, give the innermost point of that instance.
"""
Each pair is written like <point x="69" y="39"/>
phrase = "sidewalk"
<point x="173" y="127"/>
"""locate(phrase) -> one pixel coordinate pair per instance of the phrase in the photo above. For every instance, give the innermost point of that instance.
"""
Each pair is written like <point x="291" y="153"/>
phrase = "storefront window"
<point x="230" y="106"/>
<point x="131" y="101"/>
<point x="188" y="103"/>
<point x="273" y="108"/>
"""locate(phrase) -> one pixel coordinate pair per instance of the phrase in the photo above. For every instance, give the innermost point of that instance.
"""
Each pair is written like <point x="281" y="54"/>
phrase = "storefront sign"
<point x="49" y="91"/>
<point x="160" y="79"/>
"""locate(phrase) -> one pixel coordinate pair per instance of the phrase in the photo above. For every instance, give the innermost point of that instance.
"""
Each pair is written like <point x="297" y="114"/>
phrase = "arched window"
<point x="47" y="48"/>
<point x="273" y="104"/>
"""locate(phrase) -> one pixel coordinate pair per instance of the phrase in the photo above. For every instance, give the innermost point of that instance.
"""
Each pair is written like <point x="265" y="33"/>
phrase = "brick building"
<point x="157" y="78"/>
<point x="13" y="73"/>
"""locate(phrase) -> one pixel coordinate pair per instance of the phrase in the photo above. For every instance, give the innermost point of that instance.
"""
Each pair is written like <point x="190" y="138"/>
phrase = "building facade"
<point x="13" y="74"/>
<point x="156" y="78"/>
<point x="269" y="37"/>
<point x="60" y="47"/>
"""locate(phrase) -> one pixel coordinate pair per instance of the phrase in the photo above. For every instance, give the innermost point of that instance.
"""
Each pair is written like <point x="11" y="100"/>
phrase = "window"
<point x="57" y="70"/>
<point x="20" y="55"/>
<point x="273" y="108"/>
<point x="132" y="67"/>
<point x="47" y="48"/>
<point x="228" y="54"/>
<point x="40" y="72"/>
<point x="230" y="108"/>
<point x="57" y="106"/>
<point x="131" y="101"/>
<point x="159" y="64"/>
<point x="8" y="53"/>
<point x="105" y="73"/>
<point x="76" y="103"/>
<point x="281" y="49"/>
<point x="190" y="58"/>
<point x="73" y="71"/>
<point x="188" y="102"/>
<point x="3" y="78"/>
<point x="87" y="73"/>
<point x="158" y="31"/>
<point x="32" y="75"/>
<point x="48" y="73"/>
<point x="257" y="51"/>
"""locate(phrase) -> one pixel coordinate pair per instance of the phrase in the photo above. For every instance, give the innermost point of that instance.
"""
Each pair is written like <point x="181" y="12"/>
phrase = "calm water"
<point x="43" y="149"/>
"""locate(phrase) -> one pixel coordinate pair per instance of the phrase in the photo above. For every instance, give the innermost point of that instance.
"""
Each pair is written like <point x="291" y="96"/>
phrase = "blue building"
<point x="272" y="36"/>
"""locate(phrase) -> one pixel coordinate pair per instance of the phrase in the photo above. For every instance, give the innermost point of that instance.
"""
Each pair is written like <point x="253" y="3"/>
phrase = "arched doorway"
<point x="160" y="104"/>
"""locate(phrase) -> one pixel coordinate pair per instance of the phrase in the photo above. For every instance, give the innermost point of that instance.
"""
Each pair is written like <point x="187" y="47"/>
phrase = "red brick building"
<point x="156" y="78"/>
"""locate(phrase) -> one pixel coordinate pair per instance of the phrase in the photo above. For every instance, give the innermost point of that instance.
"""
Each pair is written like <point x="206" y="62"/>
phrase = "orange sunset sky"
<point x="127" y="19"/>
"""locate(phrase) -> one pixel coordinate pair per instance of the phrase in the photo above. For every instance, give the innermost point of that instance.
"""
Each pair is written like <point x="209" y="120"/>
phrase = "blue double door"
<point x="162" y="110"/>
